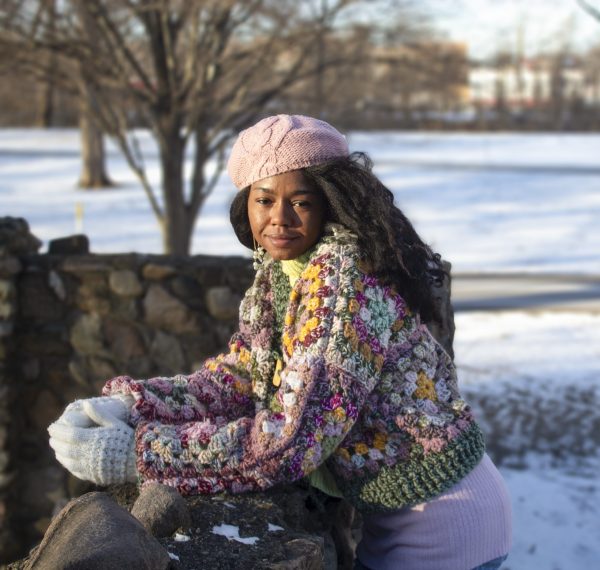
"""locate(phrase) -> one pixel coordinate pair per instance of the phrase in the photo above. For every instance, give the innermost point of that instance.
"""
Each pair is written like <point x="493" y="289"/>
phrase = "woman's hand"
<point x="92" y="440"/>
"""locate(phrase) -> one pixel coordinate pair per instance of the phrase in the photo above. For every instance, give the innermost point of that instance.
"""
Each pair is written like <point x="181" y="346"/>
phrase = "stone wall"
<point x="69" y="321"/>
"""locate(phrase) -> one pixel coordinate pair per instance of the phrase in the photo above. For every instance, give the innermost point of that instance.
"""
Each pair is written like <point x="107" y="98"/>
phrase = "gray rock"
<point x="7" y="290"/>
<point x="222" y="302"/>
<point x="57" y="285"/>
<point x="125" y="308"/>
<point x="94" y="533"/>
<point x="86" y="335"/>
<point x="124" y="340"/>
<point x="6" y="328"/>
<point x="188" y="290"/>
<point x="78" y="370"/>
<point x="101" y="369"/>
<point x="9" y="266"/>
<point x="302" y="554"/>
<point x="157" y="272"/>
<point x="80" y="264"/>
<point x="15" y="236"/>
<point x="31" y="368"/>
<point x="7" y="310"/>
<point x="69" y="245"/>
<point x="164" y="311"/>
<point x="93" y="295"/>
<point x="45" y="409"/>
<point x="162" y="510"/>
<point x="166" y="352"/>
<point x="42" y="485"/>
<point x="125" y="283"/>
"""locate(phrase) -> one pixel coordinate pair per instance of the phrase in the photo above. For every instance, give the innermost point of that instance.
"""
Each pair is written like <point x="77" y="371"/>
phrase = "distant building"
<point x="534" y="83"/>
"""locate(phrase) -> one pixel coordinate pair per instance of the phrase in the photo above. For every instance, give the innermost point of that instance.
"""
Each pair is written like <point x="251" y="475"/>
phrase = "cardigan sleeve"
<point x="220" y="389"/>
<point x="332" y="357"/>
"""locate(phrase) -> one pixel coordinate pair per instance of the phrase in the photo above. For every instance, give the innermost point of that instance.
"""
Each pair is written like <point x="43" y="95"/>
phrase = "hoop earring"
<point x="258" y="255"/>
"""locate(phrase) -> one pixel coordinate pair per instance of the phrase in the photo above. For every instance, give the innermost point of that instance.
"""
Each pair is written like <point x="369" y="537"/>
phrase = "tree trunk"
<point x="45" y="111"/>
<point x="178" y="224"/>
<point x="93" y="159"/>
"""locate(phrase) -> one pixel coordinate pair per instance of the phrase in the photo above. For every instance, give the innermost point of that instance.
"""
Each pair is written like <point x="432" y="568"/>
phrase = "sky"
<point x="486" y="25"/>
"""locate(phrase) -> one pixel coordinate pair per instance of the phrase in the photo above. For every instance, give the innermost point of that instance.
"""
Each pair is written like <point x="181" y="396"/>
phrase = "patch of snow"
<point x="274" y="528"/>
<point x="231" y="532"/>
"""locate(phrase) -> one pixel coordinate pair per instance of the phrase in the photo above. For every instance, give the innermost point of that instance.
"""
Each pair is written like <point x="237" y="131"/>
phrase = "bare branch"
<point x="591" y="10"/>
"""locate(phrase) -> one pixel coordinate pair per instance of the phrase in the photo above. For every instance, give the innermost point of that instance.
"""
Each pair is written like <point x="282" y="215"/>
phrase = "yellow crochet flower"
<point x="312" y="272"/>
<point x="350" y="334"/>
<point x="361" y="448"/>
<point x="353" y="306"/>
<point x="288" y="319"/>
<point x="242" y="387"/>
<point x="244" y="356"/>
<point x="379" y="441"/>
<point x="287" y="343"/>
<point x="378" y="362"/>
<point x="312" y="323"/>
<point x="359" y="285"/>
<point x="294" y="295"/>
<point x="339" y="414"/>
<point x="212" y="365"/>
<point x="366" y="351"/>
<point x="343" y="453"/>
<point x="426" y="388"/>
<point x="315" y="286"/>
<point x="398" y="325"/>
<point x="313" y="304"/>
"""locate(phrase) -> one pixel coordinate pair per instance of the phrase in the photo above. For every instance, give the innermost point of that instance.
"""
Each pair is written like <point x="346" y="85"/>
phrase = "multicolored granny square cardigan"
<point x="351" y="378"/>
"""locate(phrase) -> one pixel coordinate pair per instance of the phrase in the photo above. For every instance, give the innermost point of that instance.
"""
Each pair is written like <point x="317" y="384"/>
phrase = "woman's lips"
<point x="281" y="241"/>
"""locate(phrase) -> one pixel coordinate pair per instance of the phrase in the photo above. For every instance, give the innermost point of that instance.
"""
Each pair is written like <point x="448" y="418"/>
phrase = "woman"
<point x="332" y="375"/>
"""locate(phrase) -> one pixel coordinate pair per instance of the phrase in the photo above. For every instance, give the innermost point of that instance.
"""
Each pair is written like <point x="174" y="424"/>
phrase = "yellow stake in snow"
<point x="78" y="218"/>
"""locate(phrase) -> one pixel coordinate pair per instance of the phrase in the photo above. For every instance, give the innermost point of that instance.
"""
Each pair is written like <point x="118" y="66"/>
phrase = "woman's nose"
<point x="282" y="214"/>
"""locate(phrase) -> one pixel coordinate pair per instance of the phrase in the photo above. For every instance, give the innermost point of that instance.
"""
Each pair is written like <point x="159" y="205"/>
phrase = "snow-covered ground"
<point x="488" y="203"/>
<point x="534" y="379"/>
<point x="477" y="218"/>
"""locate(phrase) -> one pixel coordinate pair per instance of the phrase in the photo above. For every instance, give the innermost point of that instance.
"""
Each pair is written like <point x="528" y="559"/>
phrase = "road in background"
<point x="489" y="292"/>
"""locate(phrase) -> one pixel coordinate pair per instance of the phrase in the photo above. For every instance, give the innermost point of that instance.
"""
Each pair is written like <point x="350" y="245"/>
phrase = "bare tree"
<point x="47" y="93"/>
<point x="196" y="70"/>
<point x="591" y="10"/>
<point x="28" y="38"/>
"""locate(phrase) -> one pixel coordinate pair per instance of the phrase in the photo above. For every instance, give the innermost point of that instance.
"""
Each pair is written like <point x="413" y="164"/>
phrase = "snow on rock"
<point x="232" y="532"/>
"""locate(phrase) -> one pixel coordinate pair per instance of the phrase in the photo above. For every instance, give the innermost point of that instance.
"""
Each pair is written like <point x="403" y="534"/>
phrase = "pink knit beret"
<point x="282" y="143"/>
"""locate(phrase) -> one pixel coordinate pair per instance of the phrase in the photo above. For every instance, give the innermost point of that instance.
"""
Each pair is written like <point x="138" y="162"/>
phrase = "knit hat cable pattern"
<point x="282" y="143"/>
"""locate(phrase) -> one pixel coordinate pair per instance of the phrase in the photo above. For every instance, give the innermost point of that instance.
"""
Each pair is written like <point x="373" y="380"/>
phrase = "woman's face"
<point x="286" y="214"/>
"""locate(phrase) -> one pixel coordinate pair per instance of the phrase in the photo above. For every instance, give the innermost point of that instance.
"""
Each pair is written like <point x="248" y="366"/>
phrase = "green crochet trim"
<point x="416" y="480"/>
<point x="281" y="297"/>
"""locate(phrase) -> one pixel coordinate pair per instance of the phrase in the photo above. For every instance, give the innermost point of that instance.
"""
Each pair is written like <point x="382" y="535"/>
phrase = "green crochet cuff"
<point x="417" y="480"/>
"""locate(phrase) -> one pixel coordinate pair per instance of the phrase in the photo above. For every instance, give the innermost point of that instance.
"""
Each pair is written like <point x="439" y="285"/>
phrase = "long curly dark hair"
<point x="358" y="200"/>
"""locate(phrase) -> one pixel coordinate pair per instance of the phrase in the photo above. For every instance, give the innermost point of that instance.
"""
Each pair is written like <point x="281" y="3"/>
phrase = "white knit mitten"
<point x="117" y="405"/>
<point x="103" y="452"/>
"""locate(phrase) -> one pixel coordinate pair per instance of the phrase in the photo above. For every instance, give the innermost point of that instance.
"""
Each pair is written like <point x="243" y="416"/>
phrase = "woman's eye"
<point x="301" y="204"/>
<point x="263" y="201"/>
